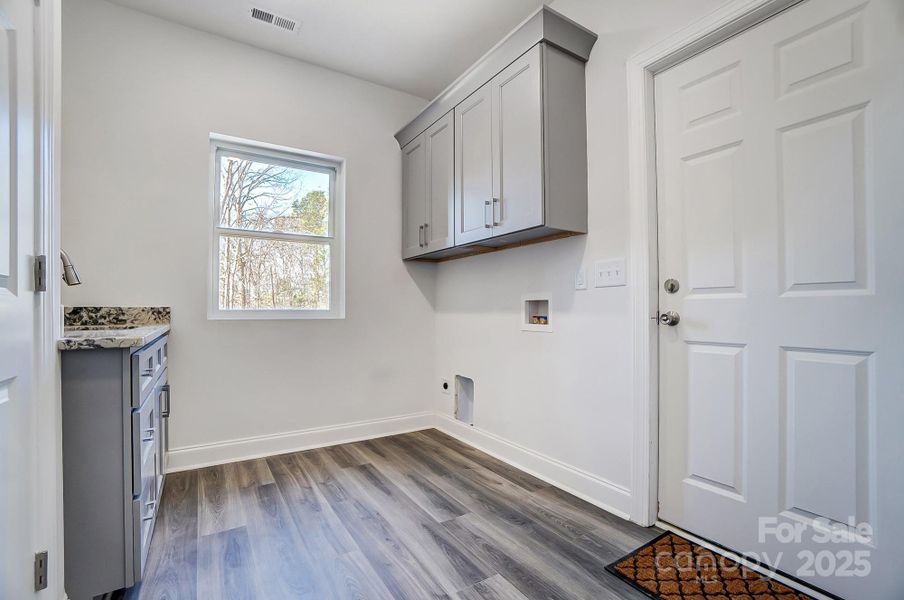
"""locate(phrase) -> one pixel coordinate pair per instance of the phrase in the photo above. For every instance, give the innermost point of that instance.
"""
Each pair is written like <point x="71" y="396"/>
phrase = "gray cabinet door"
<point x="474" y="167"/>
<point x="518" y="145"/>
<point x="414" y="197"/>
<point x="161" y="394"/>
<point x="440" y="221"/>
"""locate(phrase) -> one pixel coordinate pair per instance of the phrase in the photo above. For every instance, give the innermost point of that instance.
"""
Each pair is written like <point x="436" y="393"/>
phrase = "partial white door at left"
<point x="17" y="299"/>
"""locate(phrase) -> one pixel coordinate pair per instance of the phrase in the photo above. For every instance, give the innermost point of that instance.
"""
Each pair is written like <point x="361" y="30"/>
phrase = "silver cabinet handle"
<point x="497" y="202"/>
<point x="485" y="204"/>
<point x="149" y="433"/>
<point x="426" y="241"/>
<point x="150" y="506"/>
<point x="147" y="372"/>
<point x="165" y="391"/>
<point x="420" y="236"/>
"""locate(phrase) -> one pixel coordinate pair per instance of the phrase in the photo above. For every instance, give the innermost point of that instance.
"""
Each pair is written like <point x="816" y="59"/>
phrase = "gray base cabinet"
<point x="115" y="404"/>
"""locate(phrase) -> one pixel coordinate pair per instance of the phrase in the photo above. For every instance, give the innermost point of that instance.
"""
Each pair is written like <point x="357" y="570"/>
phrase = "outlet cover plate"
<point x="610" y="273"/>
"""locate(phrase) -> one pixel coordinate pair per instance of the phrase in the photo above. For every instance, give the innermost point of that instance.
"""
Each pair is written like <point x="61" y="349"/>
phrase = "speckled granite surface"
<point x="83" y="317"/>
<point x="93" y="327"/>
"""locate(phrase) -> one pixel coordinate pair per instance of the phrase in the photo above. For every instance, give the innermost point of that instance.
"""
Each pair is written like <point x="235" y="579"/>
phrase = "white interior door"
<point x="18" y="304"/>
<point x="781" y="212"/>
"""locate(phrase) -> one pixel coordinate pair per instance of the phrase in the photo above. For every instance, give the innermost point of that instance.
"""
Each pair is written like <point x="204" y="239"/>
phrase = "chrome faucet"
<point x="70" y="275"/>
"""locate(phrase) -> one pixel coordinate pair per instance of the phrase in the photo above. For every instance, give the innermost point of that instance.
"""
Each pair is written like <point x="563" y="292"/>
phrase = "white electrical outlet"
<point x="580" y="279"/>
<point x="610" y="273"/>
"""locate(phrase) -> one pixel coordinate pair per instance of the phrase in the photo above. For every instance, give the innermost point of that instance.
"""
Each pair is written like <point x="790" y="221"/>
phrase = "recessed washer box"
<point x="536" y="312"/>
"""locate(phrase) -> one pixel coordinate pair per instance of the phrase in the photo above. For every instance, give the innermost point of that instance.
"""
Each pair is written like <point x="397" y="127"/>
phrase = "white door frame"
<point x="48" y="467"/>
<point x="728" y="21"/>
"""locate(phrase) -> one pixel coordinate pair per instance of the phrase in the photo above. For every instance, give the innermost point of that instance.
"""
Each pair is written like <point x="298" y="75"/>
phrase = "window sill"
<point x="272" y="315"/>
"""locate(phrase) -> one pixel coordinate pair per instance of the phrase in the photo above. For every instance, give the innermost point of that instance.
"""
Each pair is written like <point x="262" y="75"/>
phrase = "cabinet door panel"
<point x="473" y="167"/>
<point x="162" y="399"/>
<point x="414" y="197"/>
<point x="440" y="138"/>
<point x="518" y="141"/>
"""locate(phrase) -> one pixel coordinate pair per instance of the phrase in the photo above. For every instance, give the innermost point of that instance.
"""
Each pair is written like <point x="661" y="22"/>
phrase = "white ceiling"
<point x="417" y="46"/>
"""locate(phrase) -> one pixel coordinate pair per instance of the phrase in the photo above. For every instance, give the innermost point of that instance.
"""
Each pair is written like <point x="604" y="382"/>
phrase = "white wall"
<point x="140" y="97"/>
<point x="568" y="394"/>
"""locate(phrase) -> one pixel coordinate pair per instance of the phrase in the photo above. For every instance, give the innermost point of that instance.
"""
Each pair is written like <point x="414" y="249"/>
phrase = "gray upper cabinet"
<point x="428" y="190"/>
<point x="520" y="147"/>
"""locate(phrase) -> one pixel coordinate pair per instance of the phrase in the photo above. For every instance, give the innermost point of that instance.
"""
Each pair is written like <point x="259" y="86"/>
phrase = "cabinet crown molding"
<point x="545" y="25"/>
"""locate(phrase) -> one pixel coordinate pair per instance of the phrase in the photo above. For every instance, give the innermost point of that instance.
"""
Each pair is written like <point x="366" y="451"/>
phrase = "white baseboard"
<point x="609" y="496"/>
<point x="205" y="455"/>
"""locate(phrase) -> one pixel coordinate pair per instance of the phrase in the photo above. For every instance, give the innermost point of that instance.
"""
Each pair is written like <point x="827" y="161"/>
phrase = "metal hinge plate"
<point x="41" y="273"/>
<point x="40" y="571"/>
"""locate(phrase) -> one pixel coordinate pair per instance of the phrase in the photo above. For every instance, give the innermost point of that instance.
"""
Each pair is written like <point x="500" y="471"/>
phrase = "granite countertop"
<point x="93" y="327"/>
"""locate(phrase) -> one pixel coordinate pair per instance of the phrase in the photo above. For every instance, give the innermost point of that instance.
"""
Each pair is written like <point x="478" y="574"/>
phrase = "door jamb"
<point x="48" y="465"/>
<point x="726" y="22"/>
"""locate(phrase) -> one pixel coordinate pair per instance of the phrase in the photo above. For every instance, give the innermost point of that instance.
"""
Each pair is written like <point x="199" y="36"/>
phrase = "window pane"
<point x="273" y="274"/>
<point x="267" y="197"/>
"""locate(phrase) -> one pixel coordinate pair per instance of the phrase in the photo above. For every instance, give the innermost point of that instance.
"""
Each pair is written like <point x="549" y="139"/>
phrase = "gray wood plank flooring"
<point x="413" y="516"/>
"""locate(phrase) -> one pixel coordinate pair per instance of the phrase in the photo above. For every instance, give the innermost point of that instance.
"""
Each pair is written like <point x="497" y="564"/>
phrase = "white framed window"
<point x="277" y="244"/>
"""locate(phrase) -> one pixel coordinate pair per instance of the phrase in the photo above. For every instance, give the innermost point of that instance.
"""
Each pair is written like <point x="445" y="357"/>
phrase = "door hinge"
<point x="40" y="571"/>
<point x="41" y="273"/>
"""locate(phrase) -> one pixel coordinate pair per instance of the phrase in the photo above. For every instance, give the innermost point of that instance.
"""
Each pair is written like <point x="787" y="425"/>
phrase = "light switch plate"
<point x="610" y="273"/>
<point x="580" y="279"/>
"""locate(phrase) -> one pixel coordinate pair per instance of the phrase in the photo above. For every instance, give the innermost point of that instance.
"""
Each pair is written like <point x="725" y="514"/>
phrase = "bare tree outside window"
<point x="274" y="233"/>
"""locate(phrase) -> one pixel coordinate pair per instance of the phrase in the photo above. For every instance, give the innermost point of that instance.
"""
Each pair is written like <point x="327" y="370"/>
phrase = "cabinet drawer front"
<point x="162" y="352"/>
<point x="147" y="364"/>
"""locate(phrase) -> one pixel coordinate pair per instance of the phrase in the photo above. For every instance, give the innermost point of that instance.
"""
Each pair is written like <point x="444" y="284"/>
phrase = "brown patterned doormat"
<point x="673" y="568"/>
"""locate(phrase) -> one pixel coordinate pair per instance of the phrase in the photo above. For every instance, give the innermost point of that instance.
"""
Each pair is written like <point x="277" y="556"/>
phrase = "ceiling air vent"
<point x="268" y="17"/>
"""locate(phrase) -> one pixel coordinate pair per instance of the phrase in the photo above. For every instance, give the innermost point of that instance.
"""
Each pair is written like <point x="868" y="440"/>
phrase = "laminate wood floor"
<point x="413" y="516"/>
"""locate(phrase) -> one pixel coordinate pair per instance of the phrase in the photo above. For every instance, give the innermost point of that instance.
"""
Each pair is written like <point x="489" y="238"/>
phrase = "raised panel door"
<point x="518" y="145"/>
<point x="440" y="171"/>
<point x="474" y="167"/>
<point x="414" y="197"/>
